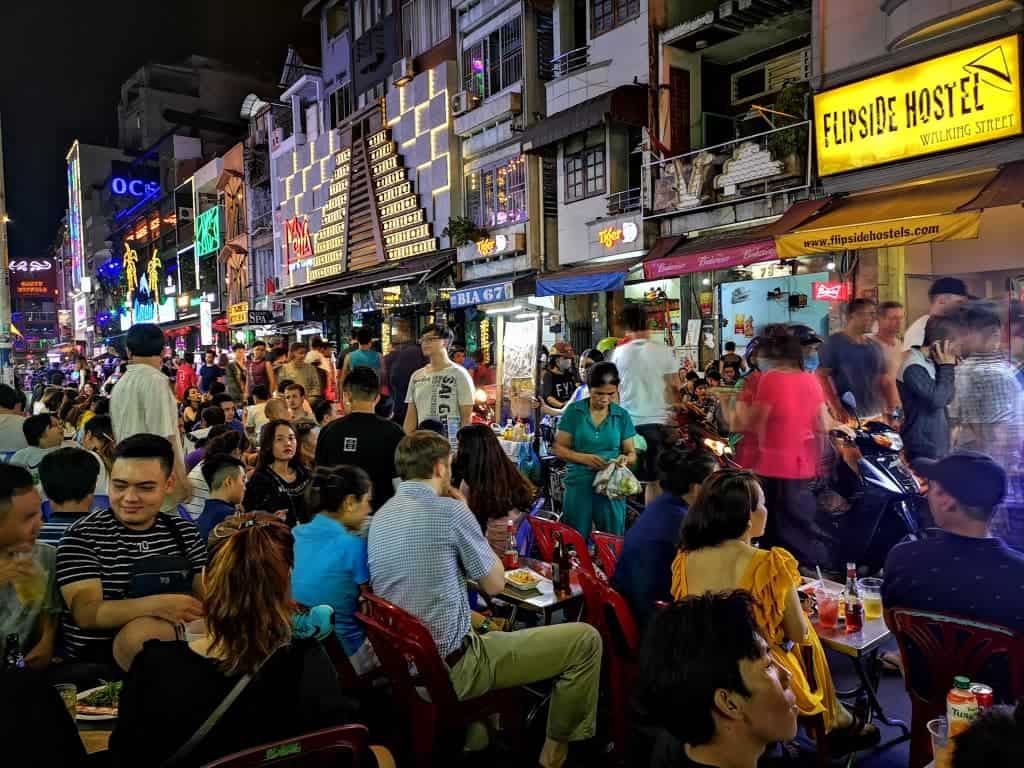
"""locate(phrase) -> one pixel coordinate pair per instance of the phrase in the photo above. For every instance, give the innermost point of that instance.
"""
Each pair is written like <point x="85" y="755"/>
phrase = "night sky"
<point x="62" y="63"/>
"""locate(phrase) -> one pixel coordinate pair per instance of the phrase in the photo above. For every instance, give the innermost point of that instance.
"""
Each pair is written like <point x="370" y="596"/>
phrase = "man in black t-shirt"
<point x="709" y="693"/>
<point x="558" y="383"/>
<point x="117" y="567"/>
<point x="362" y="438"/>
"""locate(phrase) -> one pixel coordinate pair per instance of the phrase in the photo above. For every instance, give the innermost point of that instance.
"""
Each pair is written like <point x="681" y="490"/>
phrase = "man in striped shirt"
<point x="110" y="564"/>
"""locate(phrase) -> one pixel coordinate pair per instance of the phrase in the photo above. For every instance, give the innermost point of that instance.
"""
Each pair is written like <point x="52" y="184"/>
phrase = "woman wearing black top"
<point x="279" y="483"/>
<point x="173" y="687"/>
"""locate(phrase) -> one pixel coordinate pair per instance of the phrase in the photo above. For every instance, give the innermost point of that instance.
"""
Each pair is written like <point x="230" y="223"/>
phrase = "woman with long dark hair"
<point x="173" y="687"/>
<point x="495" y="489"/>
<point x="191" y="409"/>
<point x="279" y="483"/>
<point x="716" y="555"/>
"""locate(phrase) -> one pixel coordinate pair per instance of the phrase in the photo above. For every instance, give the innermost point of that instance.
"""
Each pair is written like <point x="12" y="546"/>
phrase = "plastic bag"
<point x="616" y="482"/>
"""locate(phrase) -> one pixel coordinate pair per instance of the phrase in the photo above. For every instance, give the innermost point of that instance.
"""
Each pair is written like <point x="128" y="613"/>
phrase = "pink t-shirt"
<point x="788" y="445"/>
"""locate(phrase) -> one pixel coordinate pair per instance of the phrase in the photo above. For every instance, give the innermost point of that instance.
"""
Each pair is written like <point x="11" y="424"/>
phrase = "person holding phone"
<point x="926" y="383"/>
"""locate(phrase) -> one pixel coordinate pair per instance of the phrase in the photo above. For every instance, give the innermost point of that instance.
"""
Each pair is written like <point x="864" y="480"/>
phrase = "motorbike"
<point x="885" y="503"/>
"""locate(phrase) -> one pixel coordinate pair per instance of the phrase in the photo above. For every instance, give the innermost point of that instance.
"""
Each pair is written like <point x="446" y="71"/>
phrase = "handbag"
<point x="196" y="738"/>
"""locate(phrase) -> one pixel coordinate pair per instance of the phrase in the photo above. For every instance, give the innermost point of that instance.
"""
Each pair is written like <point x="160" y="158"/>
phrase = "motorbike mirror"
<point x="849" y="401"/>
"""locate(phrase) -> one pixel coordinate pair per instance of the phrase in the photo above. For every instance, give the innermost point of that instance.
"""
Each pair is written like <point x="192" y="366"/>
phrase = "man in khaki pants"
<point x="423" y="544"/>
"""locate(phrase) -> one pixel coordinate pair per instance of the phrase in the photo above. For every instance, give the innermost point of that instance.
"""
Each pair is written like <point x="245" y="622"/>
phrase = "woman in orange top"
<point x="716" y="555"/>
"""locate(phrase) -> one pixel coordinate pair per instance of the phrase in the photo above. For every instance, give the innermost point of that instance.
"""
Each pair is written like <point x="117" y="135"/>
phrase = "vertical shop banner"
<point x="205" y="323"/>
<point x="961" y="99"/>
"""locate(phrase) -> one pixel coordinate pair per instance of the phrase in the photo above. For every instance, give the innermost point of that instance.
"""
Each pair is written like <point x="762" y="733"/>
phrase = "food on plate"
<point x="522" y="578"/>
<point x="100" y="701"/>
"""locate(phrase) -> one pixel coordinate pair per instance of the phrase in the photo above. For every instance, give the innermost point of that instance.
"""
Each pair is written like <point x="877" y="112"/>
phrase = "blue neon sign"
<point x="121" y="186"/>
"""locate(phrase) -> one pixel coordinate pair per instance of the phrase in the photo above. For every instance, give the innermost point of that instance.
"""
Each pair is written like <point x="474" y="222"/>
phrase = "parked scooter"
<point x="886" y="503"/>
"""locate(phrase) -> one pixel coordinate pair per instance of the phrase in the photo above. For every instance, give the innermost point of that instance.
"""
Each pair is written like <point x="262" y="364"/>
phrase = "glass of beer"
<point x="870" y="590"/>
<point x="69" y="695"/>
<point x="31" y="589"/>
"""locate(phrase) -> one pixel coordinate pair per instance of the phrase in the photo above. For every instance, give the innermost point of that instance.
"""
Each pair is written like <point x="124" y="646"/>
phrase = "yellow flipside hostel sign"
<point x="968" y="97"/>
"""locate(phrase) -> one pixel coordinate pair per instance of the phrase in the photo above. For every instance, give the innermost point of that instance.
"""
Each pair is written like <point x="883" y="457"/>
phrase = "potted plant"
<point x="790" y="146"/>
<point x="463" y="231"/>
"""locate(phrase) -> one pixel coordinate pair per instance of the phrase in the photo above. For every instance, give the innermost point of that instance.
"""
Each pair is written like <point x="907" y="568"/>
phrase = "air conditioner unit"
<point x="463" y="102"/>
<point x="770" y="76"/>
<point x="185" y="214"/>
<point x="402" y="71"/>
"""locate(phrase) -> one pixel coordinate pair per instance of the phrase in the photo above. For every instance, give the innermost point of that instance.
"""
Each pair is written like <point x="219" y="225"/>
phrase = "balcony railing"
<point x="626" y="201"/>
<point x="754" y="166"/>
<point x="567" y="63"/>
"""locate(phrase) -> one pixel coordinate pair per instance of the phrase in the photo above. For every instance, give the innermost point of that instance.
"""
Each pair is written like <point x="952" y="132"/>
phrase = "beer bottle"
<point x="556" y="561"/>
<point x="510" y="558"/>
<point x="13" y="657"/>
<point x="854" y="607"/>
<point x="564" y="571"/>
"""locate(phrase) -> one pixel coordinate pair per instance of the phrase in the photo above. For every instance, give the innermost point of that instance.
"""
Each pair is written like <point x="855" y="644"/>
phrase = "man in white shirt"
<point x="649" y="384"/>
<point x="12" y="437"/>
<point x="441" y="390"/>
<point x="142" y="401"/>
<point x="946" y="295"/>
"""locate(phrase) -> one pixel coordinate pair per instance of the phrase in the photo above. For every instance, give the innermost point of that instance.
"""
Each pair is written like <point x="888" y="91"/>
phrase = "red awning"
<point x="674" y="256"/>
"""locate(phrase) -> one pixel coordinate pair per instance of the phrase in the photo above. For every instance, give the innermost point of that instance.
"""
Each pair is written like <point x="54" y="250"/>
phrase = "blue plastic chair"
<point x="184" y="514"/>
<point x="99" y="501"/>
<point x="47" y="510"/>
<point x="5" y="456"/>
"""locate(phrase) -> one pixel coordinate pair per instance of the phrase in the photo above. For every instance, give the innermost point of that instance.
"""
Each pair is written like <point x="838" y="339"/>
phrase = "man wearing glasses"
<point x="441" y="390"/>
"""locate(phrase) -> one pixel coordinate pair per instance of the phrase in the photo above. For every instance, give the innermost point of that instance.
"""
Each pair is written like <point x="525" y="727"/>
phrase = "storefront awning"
<point x="916" y="213"/>
<point x="421" y="268"/>
<point x="492" y="291"/>
<point x="674" y="256"/>
<point x="625" y="104"/>
<point x="571" y="282"/>
<point x="1007" y="188"/>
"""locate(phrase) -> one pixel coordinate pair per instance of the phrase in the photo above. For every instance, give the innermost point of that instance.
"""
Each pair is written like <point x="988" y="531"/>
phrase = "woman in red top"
<point x="788" y="417"/>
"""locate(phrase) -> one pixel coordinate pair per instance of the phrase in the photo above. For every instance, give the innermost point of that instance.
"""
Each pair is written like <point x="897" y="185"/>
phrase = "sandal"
<point x="859" y="735"/>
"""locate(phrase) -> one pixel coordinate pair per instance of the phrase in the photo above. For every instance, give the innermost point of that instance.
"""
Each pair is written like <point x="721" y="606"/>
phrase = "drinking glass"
<point x="828" y="607"/>
<point x="69" y="695"/>
<point x="870" y="590"/>
<point x="31" y="589"/>
<point x="938" y="729"/>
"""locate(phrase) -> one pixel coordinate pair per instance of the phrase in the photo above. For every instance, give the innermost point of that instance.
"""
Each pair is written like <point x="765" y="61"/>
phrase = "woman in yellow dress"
<point x="716" y="555"/>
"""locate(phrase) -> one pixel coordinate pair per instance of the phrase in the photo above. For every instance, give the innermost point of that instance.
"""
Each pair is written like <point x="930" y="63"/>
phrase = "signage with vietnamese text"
<point x="238" y="314"/>
<point x="831" y="291"/>
<point x="33" y="278"/>
<point x="958" y="100"/>
<point x="485" y="294"/>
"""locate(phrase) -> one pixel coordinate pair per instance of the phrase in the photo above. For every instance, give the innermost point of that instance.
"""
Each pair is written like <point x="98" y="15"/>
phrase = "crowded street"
<point x="590" y="384"/>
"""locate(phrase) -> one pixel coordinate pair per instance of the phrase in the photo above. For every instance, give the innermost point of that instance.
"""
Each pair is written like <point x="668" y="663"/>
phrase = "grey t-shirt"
<point x="22" y="619"/>
<point x="856" y="368"/>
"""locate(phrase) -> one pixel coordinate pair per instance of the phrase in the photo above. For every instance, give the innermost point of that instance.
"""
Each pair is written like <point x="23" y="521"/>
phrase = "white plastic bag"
<point x="616" y="482"/>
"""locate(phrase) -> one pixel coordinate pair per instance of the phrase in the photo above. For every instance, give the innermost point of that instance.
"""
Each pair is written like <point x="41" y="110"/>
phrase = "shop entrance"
<point x="748" y="306"/>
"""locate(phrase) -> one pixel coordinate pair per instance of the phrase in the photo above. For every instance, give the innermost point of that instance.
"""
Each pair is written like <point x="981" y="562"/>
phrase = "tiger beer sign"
<point x="958" y="100"/>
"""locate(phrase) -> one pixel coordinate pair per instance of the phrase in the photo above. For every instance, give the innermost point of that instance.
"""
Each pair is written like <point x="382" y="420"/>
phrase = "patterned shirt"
<point x="422" y="548"/>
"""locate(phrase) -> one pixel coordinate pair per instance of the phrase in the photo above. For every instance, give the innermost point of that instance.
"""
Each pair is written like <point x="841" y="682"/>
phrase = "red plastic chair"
<point x="411" y="661"/>
<point x="609" y="547"/>
<point x="608" y="612"/>
<point x="935" y="647"/>
<point x="329" y="748"/>
<point x="544" y="534"/>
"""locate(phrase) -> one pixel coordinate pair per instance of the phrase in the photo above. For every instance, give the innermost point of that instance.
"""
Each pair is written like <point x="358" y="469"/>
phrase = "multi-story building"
<point x="917" y="123"/>
<point x="364" y="171"/>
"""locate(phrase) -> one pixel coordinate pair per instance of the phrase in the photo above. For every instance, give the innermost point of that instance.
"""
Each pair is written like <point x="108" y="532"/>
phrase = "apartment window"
<point x="608" y="14"/>
<point x="368" y="13"/>
<point x="584" y="167"/>
<point x="496" y="196"/>
<point x="496" y="62"/>
<point x="337" y="20"/>
<point x="340" y="105"/>
<point x="425" y="24"/>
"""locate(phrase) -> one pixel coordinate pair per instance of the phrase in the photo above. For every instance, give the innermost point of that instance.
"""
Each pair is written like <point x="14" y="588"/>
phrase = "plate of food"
<point x="523" y="579"/>
<point x="99" y="703"/>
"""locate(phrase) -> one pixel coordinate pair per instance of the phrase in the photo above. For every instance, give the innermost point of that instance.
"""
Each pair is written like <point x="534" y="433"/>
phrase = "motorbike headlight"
<point x="888" y="440"/>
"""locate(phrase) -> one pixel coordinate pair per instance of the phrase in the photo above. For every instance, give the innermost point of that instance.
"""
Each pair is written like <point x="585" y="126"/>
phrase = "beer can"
<point x="983" y="694"/>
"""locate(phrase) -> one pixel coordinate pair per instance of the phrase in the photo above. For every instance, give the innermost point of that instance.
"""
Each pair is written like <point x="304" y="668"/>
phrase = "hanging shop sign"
<point x="205" y="323"/>
<point x="961" y="99"/>
<point x="710" y="260"/>
<point x="261" y="317"/>
<point x="33" y="278"/>
<point x="238" y="314"/>
<point x="880" y="234"/>
<point x="208" y="231"/>
<point x="81" y="315"/>
<point x="486" y="294"/>
<point x="830" y="291"/>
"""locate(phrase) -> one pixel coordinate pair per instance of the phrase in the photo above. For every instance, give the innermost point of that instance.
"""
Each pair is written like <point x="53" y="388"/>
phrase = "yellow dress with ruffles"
<point x="768" y="578"/>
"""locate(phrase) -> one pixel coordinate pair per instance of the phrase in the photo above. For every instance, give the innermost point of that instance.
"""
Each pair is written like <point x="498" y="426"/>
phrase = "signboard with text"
<point x="830" y="291"/>
<point x="33" y="279"/>
<point x="958" y="100"/>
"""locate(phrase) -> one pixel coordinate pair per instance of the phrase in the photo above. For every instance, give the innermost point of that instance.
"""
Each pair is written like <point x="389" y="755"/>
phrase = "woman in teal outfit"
<point x="592" y="433"/>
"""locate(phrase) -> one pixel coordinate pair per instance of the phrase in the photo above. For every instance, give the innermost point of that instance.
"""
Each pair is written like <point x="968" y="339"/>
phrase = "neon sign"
<point x="611" y="236"/>
<point x="208" y="231"/>
<point x="299" y="243"/>
<point x="31" y="266"/>
<point x="134" y="187"/>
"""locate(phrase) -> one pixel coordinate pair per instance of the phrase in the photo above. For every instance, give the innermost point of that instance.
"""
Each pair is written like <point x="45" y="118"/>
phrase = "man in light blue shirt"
<point x="423" y="545"/>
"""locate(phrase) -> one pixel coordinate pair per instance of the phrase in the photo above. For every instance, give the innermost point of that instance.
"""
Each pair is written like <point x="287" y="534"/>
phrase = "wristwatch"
<point x="485" y="626"/>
